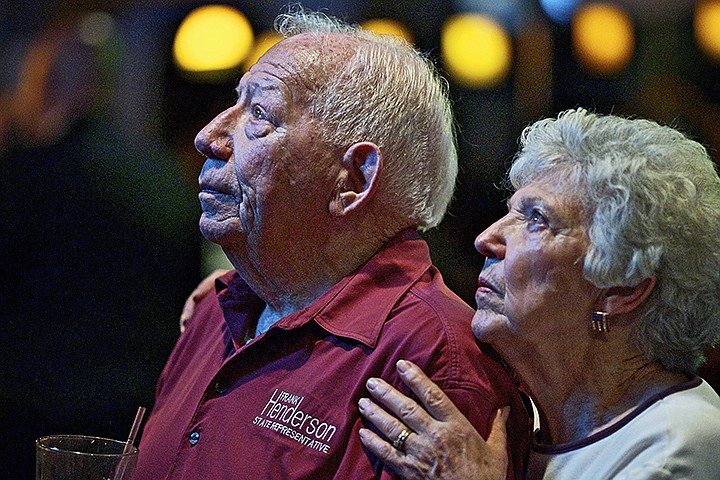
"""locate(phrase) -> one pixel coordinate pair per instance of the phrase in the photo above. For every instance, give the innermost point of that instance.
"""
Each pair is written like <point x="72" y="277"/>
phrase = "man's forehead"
<point x="302" y="63"/>
<point x="326" y="42"/>
<point x="308" y="52"/>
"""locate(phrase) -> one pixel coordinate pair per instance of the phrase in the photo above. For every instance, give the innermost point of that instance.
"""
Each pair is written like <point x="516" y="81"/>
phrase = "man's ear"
<point x="622" y="300"/>
<point x="357" y="183"/>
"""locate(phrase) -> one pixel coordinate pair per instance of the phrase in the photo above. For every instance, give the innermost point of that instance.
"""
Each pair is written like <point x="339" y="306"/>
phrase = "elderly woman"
<point x="601" y="290"/>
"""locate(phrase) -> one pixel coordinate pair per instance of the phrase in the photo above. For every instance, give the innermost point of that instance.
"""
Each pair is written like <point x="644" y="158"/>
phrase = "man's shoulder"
<point x="434" y="324"/>
<point x="431" y="290"/>
<point x="432" y="311"/>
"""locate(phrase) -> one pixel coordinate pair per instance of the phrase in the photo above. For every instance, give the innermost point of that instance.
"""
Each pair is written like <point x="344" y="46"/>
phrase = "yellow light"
<point x="212" y="38"/>
<point x="603" y="38"/>
<point x="707" y="28"/>
<point x="263" y="42"/>
<point x="476" y="50"/>
<point x="386" y="26"/>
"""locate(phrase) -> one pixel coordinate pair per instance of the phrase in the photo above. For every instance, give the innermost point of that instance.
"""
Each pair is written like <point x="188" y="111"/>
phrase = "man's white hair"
<point x="389" y="94"/>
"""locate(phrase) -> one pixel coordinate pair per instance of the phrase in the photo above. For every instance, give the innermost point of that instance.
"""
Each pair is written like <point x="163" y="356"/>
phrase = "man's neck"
<point x="288" y="288"/>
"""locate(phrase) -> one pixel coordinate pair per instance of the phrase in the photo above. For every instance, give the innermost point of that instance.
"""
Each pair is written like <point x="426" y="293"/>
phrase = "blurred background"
<point x="100" y="101"/>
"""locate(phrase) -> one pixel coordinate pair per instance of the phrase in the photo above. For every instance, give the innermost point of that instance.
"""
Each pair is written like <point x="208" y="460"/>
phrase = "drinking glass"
<point x="74" y="457"/>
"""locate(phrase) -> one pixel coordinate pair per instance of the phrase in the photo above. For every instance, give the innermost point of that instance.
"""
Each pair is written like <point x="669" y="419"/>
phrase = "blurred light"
<point x="96" y="28"/>
<point x="603" y="38"/>
<point x="707" y="28"/>
<point x="476" y="50"/>
<point x="212" y="38"/>
<point x="262" y="44"/>
<point x="386" y="26"/>
<point x="559" y="11"/>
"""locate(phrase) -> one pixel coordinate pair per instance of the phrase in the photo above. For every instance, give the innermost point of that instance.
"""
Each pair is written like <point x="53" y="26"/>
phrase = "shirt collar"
<point x="356" y="307"/>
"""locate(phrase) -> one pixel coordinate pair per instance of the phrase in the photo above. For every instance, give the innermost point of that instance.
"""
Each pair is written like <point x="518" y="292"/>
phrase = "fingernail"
<point x="363" y="433"/>
<point x="401" y="366"/>
<point x="372" y="384"/>
<point x="505" y="412"/>
<point x="363" y="403"/>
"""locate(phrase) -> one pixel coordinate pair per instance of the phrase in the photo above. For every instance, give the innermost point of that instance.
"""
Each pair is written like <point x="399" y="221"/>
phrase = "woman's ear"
<point x="358" y="178"/>
<point x="623" y="300"/>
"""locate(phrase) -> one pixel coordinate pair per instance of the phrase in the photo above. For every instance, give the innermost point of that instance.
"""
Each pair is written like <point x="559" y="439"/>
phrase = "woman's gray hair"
<point x="389" y="94"/>
<point x="652" y="198"/>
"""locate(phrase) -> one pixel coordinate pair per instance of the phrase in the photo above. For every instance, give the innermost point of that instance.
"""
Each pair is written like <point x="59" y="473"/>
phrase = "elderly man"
<point x="339" y="148"/>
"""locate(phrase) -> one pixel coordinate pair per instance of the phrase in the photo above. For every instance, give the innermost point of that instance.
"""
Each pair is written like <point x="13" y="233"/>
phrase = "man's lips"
<point x="212" y="188"/>
<point x="215" y="191"/>
<point x="487" y="286"/>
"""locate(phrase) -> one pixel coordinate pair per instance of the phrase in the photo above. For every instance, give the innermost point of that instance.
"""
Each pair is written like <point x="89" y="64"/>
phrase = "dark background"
<point x="99" y="244"/>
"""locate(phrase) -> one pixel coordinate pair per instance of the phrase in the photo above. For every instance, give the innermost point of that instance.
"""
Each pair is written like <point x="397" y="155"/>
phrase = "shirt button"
<point x="194" y="438"/>
<point x="220" y="387"/>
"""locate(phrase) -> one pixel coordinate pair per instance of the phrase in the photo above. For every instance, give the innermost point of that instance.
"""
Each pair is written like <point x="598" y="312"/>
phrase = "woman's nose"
<point x="215" y="139"/>
<point x="491" y="242"/>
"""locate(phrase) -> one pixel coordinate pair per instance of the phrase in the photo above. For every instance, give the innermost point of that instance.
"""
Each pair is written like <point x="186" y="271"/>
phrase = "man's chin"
<point x="486" y="323"/>
<point x="219" y="230"/>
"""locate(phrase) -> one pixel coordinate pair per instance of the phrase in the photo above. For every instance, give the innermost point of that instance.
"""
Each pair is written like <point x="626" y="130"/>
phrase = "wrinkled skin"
<point x="268" y="176"/>
<point x="443" y="445"/>
<point x="531" y="288"/>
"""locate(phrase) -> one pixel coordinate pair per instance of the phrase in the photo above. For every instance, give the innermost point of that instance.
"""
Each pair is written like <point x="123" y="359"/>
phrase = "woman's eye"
<point x="537" y="218"/>
<point x="259" y="113"/>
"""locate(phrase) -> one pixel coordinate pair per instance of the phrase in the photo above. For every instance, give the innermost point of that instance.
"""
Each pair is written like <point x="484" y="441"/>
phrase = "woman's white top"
<point x="673" y="435"/>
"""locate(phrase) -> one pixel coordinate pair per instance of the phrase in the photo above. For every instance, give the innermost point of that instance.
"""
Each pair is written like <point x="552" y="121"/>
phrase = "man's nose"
<point x="215" y="139"/>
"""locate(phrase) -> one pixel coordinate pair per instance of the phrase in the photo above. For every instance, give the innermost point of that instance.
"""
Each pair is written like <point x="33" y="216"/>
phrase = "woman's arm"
<point x="205" y="287"/>
<point x="442" y="444"/>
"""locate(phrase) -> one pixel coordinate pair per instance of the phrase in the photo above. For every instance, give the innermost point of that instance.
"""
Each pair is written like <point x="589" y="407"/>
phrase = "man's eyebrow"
<point x="252" y="86"/>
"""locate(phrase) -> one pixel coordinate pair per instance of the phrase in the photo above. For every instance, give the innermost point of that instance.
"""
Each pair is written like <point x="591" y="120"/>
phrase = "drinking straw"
<point x="120" y="471"/>
<point x="134" y="430"/>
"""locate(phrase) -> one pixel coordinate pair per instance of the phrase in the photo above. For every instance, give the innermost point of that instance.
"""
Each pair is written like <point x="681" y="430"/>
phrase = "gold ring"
<point x="399" y="442"/>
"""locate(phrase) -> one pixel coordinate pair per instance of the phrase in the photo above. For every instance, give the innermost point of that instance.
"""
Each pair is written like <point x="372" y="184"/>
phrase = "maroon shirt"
<point x="285" y="405"/>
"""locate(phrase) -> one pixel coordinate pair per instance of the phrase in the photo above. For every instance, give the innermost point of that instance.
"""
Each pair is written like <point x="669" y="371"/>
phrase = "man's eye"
<point x="259" y="113"/>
